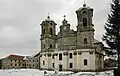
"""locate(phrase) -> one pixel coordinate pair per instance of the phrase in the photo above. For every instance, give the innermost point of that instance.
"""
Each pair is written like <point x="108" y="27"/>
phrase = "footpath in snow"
<point x="35" y="72"/>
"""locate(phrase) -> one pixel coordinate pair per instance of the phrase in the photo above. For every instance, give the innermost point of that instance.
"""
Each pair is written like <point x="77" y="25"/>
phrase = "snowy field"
<point x="34" y="72"/>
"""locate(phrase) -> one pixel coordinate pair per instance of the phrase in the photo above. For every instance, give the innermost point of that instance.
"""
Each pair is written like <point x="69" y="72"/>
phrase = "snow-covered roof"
<point x="25" y="58"/>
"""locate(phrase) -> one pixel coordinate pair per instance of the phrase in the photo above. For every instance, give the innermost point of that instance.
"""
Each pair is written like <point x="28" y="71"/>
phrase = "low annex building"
<point x="69" y="49"/>
<point x="17" y="61"/>
<point x="13" y="61"/>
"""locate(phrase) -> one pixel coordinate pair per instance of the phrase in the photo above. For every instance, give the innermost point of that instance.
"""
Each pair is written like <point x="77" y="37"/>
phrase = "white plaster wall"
<point x="77" y="60"/>
<point x="45" y="58"/>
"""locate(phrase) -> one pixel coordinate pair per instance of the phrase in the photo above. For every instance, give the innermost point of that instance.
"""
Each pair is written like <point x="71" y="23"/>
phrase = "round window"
<point x="84" y="12"/>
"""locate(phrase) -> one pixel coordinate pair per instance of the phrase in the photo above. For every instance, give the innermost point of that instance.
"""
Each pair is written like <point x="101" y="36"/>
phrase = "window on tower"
<point x="50" y="45"/>
<point x="44" y="46"/>
<point x="51" y="24"/>
<point x="51" y="31"/>
<point x="84" y="12"/>
<point x="84" y="22"/>
<point x="85" y="40"/>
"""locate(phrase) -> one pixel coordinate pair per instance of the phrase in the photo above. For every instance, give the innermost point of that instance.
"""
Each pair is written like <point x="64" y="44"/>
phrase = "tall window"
<point x="71" y="65"/>
<point x="52" y="56"/>
<point x="85" y="40"/>
<point x="60" y="56"/>
<point x="51" y="31"/>
<point x="85" y="62"/>
<point x="84" y="22"/>
<point x="53" y="65"/>
<point x="70" y="55"/>
<point x="50" y="45"/>
<point x="43" y="62"/>
<point x="43" y="45"/>
<point x="50" y="23"/>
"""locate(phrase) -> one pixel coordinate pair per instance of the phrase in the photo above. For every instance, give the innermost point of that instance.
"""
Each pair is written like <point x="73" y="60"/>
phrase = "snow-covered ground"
<point x="35" y="72"/>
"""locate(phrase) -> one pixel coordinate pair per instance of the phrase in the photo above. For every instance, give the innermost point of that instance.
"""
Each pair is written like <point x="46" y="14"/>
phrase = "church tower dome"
<point x="84" y="12"/>
<point x="48" y="20"/>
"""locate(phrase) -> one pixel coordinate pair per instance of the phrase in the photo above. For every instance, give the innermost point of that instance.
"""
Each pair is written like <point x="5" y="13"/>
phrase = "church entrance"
<point x="60" y="67"/>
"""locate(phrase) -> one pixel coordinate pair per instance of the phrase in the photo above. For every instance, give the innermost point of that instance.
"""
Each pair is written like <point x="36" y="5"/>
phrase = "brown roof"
<point x="15" y="57"/>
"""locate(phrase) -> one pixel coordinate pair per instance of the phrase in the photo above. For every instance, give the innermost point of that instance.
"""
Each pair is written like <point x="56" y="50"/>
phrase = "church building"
<point x="69" y="49"/>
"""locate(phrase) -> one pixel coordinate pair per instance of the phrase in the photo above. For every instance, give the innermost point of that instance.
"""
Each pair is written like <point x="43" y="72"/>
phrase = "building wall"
<point x="15" y="63"/>
<point x="32" y="62"/>
<point x="67" y="43"/>
<point x="77" y="60"/>
<point x="5" y="63"/>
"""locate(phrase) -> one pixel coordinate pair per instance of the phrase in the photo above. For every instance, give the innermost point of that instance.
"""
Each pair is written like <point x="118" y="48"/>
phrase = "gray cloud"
<point x="20" y="19"/>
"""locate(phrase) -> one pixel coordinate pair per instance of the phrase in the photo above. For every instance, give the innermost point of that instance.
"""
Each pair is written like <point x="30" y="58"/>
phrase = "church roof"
<point x="96" y="41"/>
<point x="84" y="7"/>
<point x="48" y="20"/>
<point x="15" y="57"/>
<point x="72" y="31"/>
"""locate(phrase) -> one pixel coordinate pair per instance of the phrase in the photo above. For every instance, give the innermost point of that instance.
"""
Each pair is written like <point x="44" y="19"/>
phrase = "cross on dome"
<point x="64" y="16"/>
<point x="48" y="15"/>
<point x="84" y="5"/>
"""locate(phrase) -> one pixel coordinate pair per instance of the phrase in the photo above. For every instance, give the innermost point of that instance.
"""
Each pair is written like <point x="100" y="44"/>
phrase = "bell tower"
<point x="85" y="28"/>
<point x="48" y="35"/>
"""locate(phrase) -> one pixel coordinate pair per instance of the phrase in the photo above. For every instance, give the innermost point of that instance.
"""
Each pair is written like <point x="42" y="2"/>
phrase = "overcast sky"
<point x="20" y="19"/>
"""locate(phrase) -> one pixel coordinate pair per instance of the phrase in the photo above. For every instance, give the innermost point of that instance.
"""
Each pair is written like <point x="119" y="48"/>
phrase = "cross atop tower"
<point x="84" y="5"/>
<point x="64" y="16"/>
<point x="48" y="15"/>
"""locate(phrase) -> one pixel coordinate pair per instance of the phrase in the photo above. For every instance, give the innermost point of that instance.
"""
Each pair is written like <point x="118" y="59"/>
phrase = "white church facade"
<point x="69" y="49"/>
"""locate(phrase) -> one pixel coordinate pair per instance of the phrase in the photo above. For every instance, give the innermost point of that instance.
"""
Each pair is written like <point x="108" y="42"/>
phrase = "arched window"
<point x="51" y="24"/>
<point x="43" y="62"/>
<point x="85" y="40"/>
<point x="60" y="56"/>
<point x="44" y="31"/>
<point x="50" y="45"/>
<point x="84" y="22"/>
<point x="51" y="31"/>
<point x="44" y="46"/>
<point x="70" y="56"/>
<point x="85" y="62"/>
